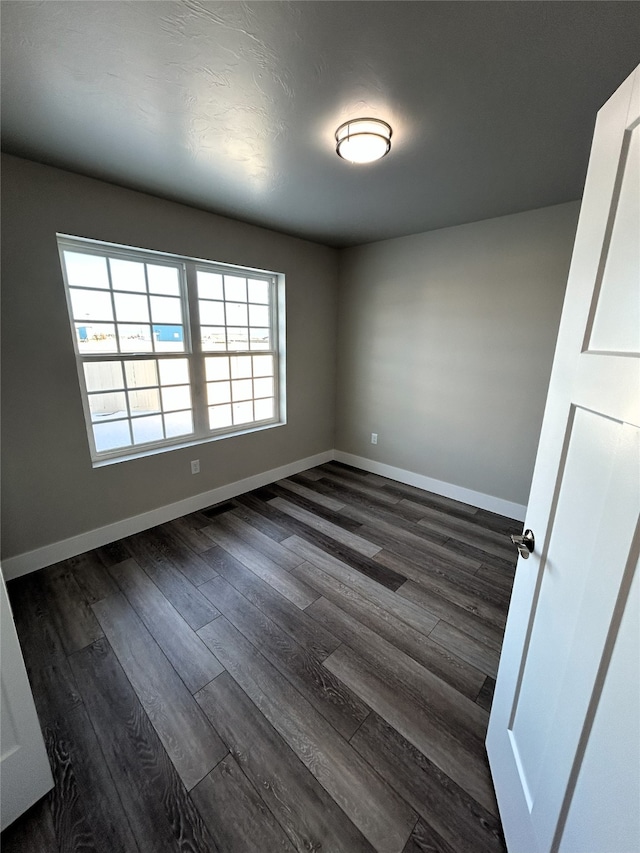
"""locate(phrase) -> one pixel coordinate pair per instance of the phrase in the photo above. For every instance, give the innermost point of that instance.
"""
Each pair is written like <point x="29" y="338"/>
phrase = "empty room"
<point x="320" y="426"/>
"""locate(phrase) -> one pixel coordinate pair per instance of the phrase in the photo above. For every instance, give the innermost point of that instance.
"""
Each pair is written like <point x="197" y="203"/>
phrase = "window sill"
<point x="154" y="451"/>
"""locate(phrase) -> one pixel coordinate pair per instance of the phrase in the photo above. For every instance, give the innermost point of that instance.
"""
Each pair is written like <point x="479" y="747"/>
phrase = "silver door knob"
<point x="525" y="543"/>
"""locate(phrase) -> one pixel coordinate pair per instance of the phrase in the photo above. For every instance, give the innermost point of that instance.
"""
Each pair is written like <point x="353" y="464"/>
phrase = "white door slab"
<point x="564" y="732"/>
<point x="25" y="775"/>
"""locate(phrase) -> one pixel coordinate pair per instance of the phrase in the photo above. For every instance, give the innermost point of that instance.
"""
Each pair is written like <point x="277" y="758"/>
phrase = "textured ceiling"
<point x="232" y="106"/>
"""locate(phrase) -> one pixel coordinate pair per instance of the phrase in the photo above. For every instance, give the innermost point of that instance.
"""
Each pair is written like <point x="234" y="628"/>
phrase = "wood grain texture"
<point x="114" y="552"/>
<point x="378" y="503"/>
<point x="32" y="832"/>
<point x="309" y="816"/>
<point x="500" y="581"/>
<point x="382" y="611"/>
<point x="382" y="817"/>
<point x="280" y="579"/>
<point x="442" y="805"/>
<point x="472" y="623"/>
<point x="355" y="474"/>
<point x="312" y="474"/>
<point x="328" y="696"/>
<point x="485" y="696"/>
<point x="398" y="520"/>
<point x="216" y="510"/>
<point x="386" y="626"/>
<point x="492" y="543"/>
<point x="499" y="523"/>
<point x="443" y="663"/>
<point x="365" y="565"/>
<point x="403" y="609"/>
<point x="479" y="654"/>
<point x="161" y="815"/>
<point x="427" y="552"/>
<point x="470" y="513"/>
<point x="356" y="488"/>
<point x="337" y="489"/>
<point x="191" y="743"/>
<point x="169" y="545"/>
<point x="189" y="531"/>
<point x="186" y="651"/>
<point x="459" y="757"/>
<point x="459" y="715"/>
<point x="91" y="576"/>
<point x="420" y="496"/>
<point x="86" y="809"/>
<point x="70" y="612"/>
<point x="506" y="565"/>
<point x="295" y="622"/>
<point x="317" y="511"/>
<point x="316" y="495"/>
<point x="424" y="839"/>
<point x="434" y="570"/>
<point x="236" y="815"/>
<point x="39" y="640"/>
<point x="461" y="594"/>
<point x="185" y="597"/>
<point x="427" y="564"/>
<point x="258" y="540"/>
<point x="282" y="750"/>
<point x="357" y="543"/>
<point x="250" y="509"/>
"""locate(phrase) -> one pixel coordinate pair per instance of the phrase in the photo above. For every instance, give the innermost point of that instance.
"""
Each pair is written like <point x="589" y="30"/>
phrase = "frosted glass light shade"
<point x="363" y="140"/>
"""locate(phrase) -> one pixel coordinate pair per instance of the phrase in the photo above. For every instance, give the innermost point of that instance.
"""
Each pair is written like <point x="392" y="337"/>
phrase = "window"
<point x="171" y="350"/>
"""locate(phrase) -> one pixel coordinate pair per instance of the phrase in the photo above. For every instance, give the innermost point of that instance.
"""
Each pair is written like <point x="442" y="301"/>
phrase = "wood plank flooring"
<point x="308" y="667"/>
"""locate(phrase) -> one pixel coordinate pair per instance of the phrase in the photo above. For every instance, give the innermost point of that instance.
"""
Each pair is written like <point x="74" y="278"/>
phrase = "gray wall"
<point x="50" y="490"/>
<point x="446" y="341"/>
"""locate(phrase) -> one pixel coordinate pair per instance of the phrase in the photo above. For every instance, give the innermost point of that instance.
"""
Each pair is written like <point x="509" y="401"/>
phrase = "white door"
<point x="564" y="732"/>
<point x="25" y="775"/>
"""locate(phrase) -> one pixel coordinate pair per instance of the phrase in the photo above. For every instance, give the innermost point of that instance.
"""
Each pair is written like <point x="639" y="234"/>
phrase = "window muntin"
<point x="170" y="350"/>
<point x="240" y="389"/>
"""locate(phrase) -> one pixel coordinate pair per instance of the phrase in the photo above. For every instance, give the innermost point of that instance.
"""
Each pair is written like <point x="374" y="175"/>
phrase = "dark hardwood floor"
<point x="308" y="667"/>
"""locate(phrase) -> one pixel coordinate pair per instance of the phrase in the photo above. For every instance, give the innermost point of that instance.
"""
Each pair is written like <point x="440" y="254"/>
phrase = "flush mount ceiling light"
<point x="363" y="140"/>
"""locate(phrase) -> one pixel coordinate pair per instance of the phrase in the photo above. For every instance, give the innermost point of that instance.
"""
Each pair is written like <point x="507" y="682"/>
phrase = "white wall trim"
<point x="439" y="487"/>
<point x="30" y="561"/>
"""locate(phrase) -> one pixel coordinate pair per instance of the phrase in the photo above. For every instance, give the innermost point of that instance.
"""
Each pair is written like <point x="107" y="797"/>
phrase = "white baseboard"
<point x="22" y="564"/>
<point x="439" y="487"/>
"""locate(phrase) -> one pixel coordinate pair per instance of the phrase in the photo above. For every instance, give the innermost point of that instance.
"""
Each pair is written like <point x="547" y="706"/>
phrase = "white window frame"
<point x="193" y="350"/>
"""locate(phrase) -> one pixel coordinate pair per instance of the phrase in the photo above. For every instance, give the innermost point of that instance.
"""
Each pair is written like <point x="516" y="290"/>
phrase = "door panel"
<point x="24" y="766"/>
<point x="616" y="330"/>
<point x="554" y="704"/>
<point x="575" y="612"/>
<point x="571" y="573"/>
<point x="608" y="785"/>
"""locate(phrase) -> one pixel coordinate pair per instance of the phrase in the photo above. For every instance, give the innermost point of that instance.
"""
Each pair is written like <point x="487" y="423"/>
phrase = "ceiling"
<point x="232" y="106"/>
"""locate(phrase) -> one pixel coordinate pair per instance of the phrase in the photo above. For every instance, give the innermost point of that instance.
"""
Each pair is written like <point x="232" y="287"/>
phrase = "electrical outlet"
<point x="374" y="438"/>
<point x="195" y="466"/>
